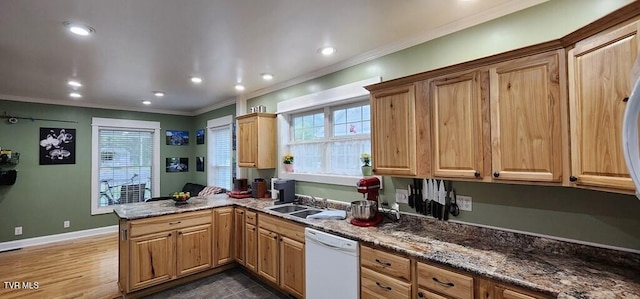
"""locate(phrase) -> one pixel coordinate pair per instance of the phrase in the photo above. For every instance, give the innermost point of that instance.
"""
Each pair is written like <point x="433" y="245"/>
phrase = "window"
<point x="220" y="166"/>
<point x="125" y="162"/>
<point x="331" y="140"/>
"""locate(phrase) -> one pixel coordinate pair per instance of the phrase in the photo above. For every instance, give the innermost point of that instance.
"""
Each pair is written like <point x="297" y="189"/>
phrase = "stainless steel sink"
<point x="287" y="208"/>
<point x="305" y="213"/>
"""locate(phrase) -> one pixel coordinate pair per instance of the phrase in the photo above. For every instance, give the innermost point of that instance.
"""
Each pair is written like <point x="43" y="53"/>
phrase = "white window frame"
<point x="120" y="124"/>
<point x="217" y="123"/>
<point x="338" y="96"/>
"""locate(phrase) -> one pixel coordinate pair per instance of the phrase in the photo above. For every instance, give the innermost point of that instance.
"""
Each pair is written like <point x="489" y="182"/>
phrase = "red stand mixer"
<point x="367" y="215"/>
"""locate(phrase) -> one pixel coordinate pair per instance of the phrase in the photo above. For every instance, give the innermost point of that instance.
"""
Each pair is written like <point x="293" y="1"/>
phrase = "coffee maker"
<point x="286" y="190"/>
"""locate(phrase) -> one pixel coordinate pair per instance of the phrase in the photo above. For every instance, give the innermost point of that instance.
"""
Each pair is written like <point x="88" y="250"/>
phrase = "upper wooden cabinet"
<point x="526" y="135"/>
<point x="257" y="140"/>
<point x="397" y="124"/>
<point x="457" y="125"/>
<point x="599" y="85"/>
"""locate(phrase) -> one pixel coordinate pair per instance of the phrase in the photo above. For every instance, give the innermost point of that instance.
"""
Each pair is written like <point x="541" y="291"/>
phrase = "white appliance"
<point x="331" y="266"/>
<point x="630" y="128"/>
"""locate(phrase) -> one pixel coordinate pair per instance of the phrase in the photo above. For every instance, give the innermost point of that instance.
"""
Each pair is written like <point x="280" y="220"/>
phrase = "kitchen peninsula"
<point x="496" y="263"/>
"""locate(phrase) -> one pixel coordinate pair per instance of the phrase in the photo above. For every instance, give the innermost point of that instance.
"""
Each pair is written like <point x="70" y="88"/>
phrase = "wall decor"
<point x="57" y="146"/>
<point x="177" y="164"/>
<point x="200" y="136"/>
<point x="200" y="163"/>
<point x="177" y="137"/>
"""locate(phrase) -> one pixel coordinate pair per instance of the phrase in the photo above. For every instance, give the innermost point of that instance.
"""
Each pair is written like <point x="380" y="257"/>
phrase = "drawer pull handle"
<point x="174" y="223"/>
<point x="384" y="287"/>
<point x="446" y="284"/>
<point x="384" y="264"/>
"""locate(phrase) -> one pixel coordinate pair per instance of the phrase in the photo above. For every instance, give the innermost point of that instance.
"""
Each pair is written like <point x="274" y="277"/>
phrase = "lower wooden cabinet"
<point x="238" y="235"/>
<point x="193" y="249"/>
<point x="384" y="274"/>
<point x="377" y="285"/>
<point x="223" y="230"/>
<point x="151" y="260"/>
<point x="292" y="277"/>
<point x="251" y="247"/>
<point x="268" y="255"/>
<point x="445" y="282"/>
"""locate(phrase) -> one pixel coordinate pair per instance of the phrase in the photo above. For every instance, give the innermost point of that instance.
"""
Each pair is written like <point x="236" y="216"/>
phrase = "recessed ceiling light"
<point x="239" y="87"/>
<point x="267" y="76"/>
<point x="75" y="95"/>
<point x="158" y="94"/>
<point x="74" y="83"/>
<point x="196" y="80"/>
<point x="146" y="102"/>
<point x="79" y="29"/>
<point x="326" y="51"/>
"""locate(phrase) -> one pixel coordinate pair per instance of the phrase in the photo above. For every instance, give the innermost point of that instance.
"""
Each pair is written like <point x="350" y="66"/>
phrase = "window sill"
<point x="342" y="180"/>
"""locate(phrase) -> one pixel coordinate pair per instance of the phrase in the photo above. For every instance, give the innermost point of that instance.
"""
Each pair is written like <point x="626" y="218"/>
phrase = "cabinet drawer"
<point x="282" y="227"/>
<point x="250" y="217"/>
<point x="376" y="285"/>
<point x="445" y="282"/>
<point x="387" y="263"/>
<point x="424" y="294"/>
<point x="169" y="222"/>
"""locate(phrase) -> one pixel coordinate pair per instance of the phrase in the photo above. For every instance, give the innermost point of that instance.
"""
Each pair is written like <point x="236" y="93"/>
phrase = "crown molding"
<point x="91" y="105"/>
<point x="479" y="18"/>
<point x="214" y="106"/>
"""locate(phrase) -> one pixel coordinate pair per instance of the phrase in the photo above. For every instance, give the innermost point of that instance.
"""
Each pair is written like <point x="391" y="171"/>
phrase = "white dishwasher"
<point x="331" y="266"/>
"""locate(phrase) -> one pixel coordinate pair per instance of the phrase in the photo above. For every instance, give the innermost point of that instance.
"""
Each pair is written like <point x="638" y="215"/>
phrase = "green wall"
<point x="591" y="216"/>
<point x="45" y="196"/>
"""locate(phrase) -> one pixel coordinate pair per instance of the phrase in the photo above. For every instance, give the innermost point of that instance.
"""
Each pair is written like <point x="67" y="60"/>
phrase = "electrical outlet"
<point x="464" y="203"/>
<point x="18" y="230"/>
<point x="67" y="223"/>
<point x="402" y="196"/>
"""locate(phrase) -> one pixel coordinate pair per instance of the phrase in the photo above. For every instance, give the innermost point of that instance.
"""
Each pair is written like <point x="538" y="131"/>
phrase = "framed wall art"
<point x="57" y="146"/>
<point x="177" y="137"/>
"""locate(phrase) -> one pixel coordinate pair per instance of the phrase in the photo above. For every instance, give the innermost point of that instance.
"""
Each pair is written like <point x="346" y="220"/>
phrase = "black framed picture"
<point x="57" y="146"/>
<point x="199" y="163"/>
<point x="200" y="136"/>
<point x="175" y="164"/>
<point x="177" y="137"/>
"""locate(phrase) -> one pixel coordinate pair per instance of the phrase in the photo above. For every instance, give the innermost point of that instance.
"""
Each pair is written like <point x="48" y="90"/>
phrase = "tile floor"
<point x="231" y="284"/>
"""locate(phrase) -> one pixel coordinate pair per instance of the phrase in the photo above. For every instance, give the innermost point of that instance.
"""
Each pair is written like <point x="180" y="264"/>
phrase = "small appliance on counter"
<point x="240" y="189"/>
<point x="365" y="212"/>
<point x="258" y="188"/>
<point x="286" y="190"/>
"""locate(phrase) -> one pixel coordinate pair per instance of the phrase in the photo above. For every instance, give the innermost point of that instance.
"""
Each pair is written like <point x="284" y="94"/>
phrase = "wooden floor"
<point x="81" y="268"/>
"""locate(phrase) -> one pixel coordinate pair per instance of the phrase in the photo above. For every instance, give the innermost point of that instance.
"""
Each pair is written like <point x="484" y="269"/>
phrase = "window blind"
<point x="125" y="166"/>
<point x="220" y="157"/>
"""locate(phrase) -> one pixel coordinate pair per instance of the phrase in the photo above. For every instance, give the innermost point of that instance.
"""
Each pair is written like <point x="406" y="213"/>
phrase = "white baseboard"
<point x="11" y="245"/>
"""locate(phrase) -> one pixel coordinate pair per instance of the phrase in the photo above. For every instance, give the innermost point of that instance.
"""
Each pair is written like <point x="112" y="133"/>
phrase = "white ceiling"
<point x="146" y="45"/>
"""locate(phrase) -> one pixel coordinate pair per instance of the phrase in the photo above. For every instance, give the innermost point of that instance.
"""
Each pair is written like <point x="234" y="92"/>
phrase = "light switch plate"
<point x="464" y="203"/>
<point x="402" y="196"/>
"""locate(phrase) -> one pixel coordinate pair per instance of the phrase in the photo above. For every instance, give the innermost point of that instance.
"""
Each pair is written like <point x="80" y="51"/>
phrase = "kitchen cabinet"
<point x="223" y="235"/>
<point x="384" y="274"/>
<point x="281" y="254"/>
<point x="599" y="87"/>
<point x="398" y="124"/>
<point x="526" y="130"/>
<point x="442" y="281"/>
<point x="456" y="102"/>
<point x="159" y="249"/>
<point x="257" y="140"/>
<point x="239" y="235"/>
<point x="251" y="239"/>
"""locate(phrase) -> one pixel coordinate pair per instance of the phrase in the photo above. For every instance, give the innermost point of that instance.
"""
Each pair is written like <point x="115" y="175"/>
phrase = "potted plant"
<point x="287" y="159"/>
<point x="365" y="158"/>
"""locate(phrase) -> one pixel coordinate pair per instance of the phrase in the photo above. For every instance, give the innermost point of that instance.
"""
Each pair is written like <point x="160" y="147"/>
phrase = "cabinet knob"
<point x="625" y="99"/>
<point x="420" y="295"/>
<point x="169" y="235"/>
<point x="573" y="179"/>
<point x="496" y="174"/>
<point x="476" y="174"/>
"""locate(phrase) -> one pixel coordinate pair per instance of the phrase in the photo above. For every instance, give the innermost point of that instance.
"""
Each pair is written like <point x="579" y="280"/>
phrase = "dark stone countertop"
<point x="557" y="268"/>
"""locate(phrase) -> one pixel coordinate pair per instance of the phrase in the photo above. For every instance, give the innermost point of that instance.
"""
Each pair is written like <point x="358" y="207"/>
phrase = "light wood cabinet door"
<point x="251" y="245"/>
<point x="223" y="227"/>
<point x="457" y="126"/>
<point x="239" y="238"/>
<point x="256" y="138"/>
<point x="599" y="69"/>
<point x="193" y="250"/>
<point x="525" y="119"/>
<point x="393" y="131"/>
<point x="292" y="278"/>
<point x="151" y="259"/>
<point x="268" y="255"/>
